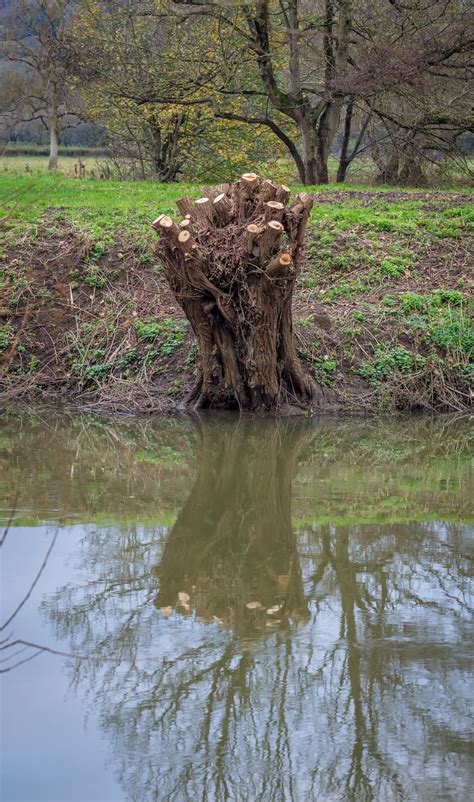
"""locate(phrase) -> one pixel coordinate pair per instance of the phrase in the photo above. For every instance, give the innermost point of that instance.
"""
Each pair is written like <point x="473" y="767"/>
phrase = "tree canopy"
<point x="206" y="89"/>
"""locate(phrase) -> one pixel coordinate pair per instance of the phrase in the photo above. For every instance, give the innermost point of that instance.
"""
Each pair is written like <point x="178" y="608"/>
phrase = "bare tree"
<point x="32" y="35"/>
<point x="410" y="78"/>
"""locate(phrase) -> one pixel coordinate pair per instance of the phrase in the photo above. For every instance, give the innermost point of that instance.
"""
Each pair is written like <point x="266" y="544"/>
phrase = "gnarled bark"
<point x="232" y="267"/>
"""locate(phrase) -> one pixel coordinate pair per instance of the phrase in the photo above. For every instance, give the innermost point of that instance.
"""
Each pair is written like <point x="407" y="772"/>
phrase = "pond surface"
<point x="249" y="610"/>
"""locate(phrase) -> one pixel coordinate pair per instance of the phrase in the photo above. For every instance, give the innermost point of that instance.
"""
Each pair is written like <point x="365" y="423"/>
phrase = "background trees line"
<point x="204" y="89"/>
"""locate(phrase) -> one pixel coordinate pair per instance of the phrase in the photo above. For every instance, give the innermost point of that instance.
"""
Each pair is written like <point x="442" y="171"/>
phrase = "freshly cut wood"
<point x="270" y="238"/>
<point x="185" y="206"/>
<point x="222" y="208"/>
<point x="156" y="222"/>
<point x="280" y="266"/>
<point x="250" y="179"/>
<point x="235" y="283"/>
<point x="283" y="194"/>
<point x="253" y="234"/>
<point x="274" y="210"/>
<point x="185" y="241"/>
<point x="203" y="213"/>
<point x="166" y="223"/>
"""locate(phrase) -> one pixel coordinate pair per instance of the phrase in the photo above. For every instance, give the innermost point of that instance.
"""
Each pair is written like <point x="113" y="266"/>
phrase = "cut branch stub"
<point x="253" y="234"/>
<point x="283" y="194"/>
<point x="203" y="213"/>
<point x="222" y="208"/>
<point x="232" y="264"/>
<point x="156" y="223"/>
<point x="270" y="238"/>
<point x="165" y="223"/>
<point x="280" y="266"/>
<point x="250" y="182"/>
<point x="185" y="241"/>
<point x="185" y="206"/>
<point x="274" y="210"/>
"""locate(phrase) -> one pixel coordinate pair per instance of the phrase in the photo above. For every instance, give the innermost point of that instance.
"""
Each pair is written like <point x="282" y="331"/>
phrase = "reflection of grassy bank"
<point x="141" y="471"/>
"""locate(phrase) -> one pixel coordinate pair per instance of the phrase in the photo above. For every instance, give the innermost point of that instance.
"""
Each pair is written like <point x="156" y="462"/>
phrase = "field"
<point x="383" y="312"/>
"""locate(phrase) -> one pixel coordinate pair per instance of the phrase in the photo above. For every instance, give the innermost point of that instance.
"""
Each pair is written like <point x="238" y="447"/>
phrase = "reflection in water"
<point x="355" y="686"/>
<point x="233" y="541"/>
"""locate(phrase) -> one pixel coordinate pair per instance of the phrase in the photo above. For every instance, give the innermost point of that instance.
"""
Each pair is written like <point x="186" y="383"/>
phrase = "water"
<point x="257" y="610"/>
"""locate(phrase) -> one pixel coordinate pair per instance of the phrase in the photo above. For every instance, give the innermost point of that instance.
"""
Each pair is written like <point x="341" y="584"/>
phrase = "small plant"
<point x="386" y="363"/>
<point x="98" y="250"/>
<point x="33" y="363"/>
<point x="175" y="387"/>
<point x="394" y="266"/>
<point x="95" y="279"/>
<point x="6" y="336"/>
<point x="412" y="301"/>
<point x="147" y="329"/>
<point x="192" y="355"/>
<point x="170" y="333"/>
<point x="325" y="370"/>
<point x="454" y="332"/>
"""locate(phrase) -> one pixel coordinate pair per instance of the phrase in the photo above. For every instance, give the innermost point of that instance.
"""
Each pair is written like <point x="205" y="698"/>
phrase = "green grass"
<point x="38" y="165"/>
<point x="101" y="207"/>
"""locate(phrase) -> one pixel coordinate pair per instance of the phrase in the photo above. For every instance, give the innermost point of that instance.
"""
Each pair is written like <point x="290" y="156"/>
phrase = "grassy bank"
<point x="383" y="312"/>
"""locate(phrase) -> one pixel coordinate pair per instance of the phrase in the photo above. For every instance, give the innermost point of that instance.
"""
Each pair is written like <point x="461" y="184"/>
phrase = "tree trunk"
<point x="232" y="267"/>
<point x="53" y="145"/>
<point x="309" y="140"/>
<point x="344" y="160"/>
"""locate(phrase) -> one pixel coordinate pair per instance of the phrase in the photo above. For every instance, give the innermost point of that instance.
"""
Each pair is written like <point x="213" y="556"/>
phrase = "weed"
<point x="175" y="387"/>
<point x="98" y="250"/>
<point x="387" y="362"/>
<point x="325" y="370"/>
<point x="170" y="333"/>
<point x="394" y="266"/>
<point x="453" y="331"/>
<point x="6" y="336"/>
<point x="95" y="278"/>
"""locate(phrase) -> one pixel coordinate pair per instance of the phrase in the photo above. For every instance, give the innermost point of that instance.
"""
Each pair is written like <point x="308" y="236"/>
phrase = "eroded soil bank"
<point x="383" y="312"/>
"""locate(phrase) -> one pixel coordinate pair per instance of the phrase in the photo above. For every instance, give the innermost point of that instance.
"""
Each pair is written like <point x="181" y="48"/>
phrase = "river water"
<point x="247" y="610"/>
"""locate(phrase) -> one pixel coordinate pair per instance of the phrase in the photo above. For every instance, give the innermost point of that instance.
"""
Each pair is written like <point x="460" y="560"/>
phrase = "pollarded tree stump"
<point x="232" y="264"/>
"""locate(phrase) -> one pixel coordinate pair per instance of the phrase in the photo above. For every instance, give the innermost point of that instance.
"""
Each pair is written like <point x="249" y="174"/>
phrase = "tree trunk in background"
<point x="232" y="265"/>
<point x="344" y="160"/>
<point x="53" y="145"/>
<point x="317" y="120"/>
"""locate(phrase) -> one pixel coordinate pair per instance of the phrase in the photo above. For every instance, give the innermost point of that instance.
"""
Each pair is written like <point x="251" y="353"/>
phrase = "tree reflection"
<point x="353" y="688"/>
<point x="233" y="542"/>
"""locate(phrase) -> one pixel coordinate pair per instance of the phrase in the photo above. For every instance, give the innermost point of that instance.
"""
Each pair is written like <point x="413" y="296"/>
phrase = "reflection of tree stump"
<point x="232" y="264"/>
<point x="233" y="541"/>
